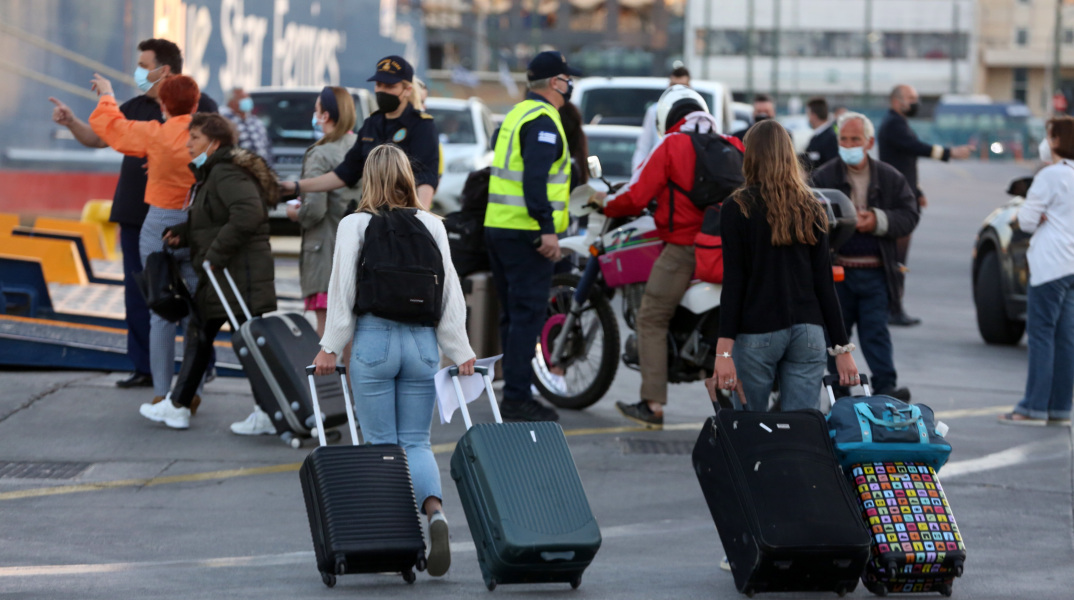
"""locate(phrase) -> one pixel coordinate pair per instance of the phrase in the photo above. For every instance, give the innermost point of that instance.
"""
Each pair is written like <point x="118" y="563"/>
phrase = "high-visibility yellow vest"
<point x="507" y="205"/>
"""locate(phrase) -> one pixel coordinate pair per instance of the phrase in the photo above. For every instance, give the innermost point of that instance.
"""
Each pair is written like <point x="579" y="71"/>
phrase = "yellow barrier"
<point x="59" y="259"/>
<point x="91" y="234"/>
<point x="99" y="211"/>
<point x="8" y="222"/>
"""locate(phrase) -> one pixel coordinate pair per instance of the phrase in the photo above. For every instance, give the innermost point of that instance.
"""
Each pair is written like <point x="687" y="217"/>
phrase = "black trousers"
<point x="199" y="352"/>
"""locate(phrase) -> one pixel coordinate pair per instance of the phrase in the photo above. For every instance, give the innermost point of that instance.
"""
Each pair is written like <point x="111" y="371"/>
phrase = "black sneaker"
<point x="136" y="380"/>
<point x="903" y="320"/>
<point x="641" y="414"/>
<point x="526" y="410"/>
<point x="897" y="393"/>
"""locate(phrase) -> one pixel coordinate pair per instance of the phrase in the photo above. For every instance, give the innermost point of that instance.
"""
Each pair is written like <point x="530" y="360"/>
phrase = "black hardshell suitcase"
<point x="361" y="506"/>
<point x="524" y="502"/>
<point x="274" y="350"/>
<point x="784" y="513"/>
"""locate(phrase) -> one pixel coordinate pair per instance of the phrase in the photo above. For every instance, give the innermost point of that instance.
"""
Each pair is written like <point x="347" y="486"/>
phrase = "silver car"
<point x="465" y="128"/>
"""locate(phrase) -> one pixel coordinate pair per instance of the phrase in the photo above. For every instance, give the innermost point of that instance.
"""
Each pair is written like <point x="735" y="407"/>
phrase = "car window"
<point x="287" y="116"/>
<point x="615" y="153"/>
<point x="623" y="106"/>
<point x="456" y="126"/>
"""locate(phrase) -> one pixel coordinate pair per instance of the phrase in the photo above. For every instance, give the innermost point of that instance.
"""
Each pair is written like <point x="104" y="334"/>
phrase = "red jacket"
<point x="672" y="160"/>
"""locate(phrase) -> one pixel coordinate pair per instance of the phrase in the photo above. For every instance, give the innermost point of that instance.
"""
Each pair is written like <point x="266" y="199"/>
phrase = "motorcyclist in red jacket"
<point x="678" y="221"/>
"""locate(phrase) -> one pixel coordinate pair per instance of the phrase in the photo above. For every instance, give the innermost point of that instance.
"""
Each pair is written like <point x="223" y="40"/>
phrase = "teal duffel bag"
<point x="866" y="429"/>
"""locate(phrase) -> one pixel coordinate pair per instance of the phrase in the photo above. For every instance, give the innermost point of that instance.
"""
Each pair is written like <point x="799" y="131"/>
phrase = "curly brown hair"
<point x="771" y="169"/>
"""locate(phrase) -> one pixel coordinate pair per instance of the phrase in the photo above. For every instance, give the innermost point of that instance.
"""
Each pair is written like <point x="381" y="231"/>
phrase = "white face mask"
<point x="1045" y="150"/>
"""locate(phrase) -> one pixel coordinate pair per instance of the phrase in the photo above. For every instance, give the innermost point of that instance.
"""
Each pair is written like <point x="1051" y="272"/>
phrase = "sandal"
<point x="1013" y="418"/>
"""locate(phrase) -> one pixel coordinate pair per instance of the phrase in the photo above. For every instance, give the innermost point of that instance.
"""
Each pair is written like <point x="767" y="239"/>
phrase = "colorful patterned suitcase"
<point x="916" y="543"/>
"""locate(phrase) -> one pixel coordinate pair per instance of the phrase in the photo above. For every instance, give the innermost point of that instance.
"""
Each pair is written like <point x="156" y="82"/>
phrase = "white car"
<point x="798" y="127"/>
<point x="465" y="128"/>
<point x="624" y="100"/>
<point x="614" y="146"/>
<point x="743" y="112"/>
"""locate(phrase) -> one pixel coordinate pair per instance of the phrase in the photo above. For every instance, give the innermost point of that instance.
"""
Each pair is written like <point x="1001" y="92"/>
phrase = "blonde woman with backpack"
<point x="378" y="297"/>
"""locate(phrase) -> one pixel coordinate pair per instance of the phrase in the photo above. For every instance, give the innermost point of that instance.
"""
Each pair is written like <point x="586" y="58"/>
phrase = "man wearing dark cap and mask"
<point x="529" y="190"/>
<point x="899" y="147"/>
<point x="397" y="122"/>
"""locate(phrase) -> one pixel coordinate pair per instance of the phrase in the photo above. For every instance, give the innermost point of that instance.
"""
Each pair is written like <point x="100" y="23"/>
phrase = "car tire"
<point x="992" y="320"/>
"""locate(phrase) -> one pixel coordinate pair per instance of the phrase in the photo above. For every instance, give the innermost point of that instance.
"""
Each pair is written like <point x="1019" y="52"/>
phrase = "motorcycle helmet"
<point x="675" y="103"/>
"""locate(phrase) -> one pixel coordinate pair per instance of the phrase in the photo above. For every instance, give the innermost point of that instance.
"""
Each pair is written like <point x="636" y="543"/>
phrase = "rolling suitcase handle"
<point x="484" y="371"/>
<point x="831" y="380"/>
<point x="318" y="416"/>
<point x="223" y="299"/>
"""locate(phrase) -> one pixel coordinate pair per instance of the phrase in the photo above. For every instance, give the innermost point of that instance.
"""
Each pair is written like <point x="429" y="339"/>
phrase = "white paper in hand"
<point x="472" y="388"/>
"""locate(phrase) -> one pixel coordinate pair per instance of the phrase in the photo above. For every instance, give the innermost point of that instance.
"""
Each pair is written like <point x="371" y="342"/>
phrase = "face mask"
<point x="141" y="78"/>
<point x="200" y="159"/>
<point x="246" y="104"/>
<point x="570" y="90"/>
<point x="1045" y="150"/>
<point x="912" y="109"/>
<point x="388" y="102"/>
<point x="759" y="118"/>
<point x="317" y="126"/>
<point x="852" y="156"/>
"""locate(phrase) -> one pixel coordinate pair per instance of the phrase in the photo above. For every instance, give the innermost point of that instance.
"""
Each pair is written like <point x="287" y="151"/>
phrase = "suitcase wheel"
<point x="842" y="591"/>
<point x="749" y="592"/>
<point x="409" y="576"/>
<point x="576" y="581"/>
<point x="421" y="563"/>
<point x="328" y="579"/>
<point x="946" y="589"/>
<point x="491" y="584"/>
<point x="291" y="440"/>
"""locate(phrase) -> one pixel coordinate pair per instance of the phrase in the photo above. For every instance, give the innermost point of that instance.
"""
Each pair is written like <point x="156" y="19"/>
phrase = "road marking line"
<point x="997" y="460"/>
<point x="437" y="449"/>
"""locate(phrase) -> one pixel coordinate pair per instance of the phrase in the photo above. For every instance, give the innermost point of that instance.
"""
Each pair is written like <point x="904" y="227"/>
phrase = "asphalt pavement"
<point x="129" y="509"/>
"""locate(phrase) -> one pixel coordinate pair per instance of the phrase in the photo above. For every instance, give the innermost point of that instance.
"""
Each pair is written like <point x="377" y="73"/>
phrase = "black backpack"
<point x="400" y="270"/>
<point x="717" y="172"/>
<point x="163" y="287"/>
<point x="466" y="228"/>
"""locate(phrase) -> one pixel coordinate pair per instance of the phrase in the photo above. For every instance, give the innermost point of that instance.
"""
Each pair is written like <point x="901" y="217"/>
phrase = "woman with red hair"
<point x="169" y="179"/>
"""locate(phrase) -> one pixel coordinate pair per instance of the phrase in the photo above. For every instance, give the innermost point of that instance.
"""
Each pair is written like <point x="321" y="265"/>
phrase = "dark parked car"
<point x="1000" y="271"/>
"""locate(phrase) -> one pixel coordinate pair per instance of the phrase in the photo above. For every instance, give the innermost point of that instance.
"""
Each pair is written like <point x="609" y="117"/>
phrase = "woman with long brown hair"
<point x="394" y="361"/>
<point x="778" y="299"/>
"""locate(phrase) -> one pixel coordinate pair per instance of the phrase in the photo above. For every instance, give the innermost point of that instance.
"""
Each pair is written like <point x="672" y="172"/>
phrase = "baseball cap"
<point x="393" y="69"/>
<point x="549" y="64"/>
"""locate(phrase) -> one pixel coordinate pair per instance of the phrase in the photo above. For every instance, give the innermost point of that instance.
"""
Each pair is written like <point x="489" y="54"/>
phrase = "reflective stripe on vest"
<point x="507" y="203"/>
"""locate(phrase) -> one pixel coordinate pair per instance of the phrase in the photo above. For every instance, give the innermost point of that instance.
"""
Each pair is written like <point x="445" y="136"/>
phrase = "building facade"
<point x="853" y="50"/>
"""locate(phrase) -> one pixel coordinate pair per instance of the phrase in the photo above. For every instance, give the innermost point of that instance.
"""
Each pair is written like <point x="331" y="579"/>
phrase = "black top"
<point x="767" y="288"/>
<point x="413" y="131"/>
<point x="128" y="203"/>
<point x="823" y="146"/>
<point x="900" y="148"/>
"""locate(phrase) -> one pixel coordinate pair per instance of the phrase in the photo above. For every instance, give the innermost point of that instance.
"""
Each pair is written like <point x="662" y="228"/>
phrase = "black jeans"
<point x="199" y="352"/>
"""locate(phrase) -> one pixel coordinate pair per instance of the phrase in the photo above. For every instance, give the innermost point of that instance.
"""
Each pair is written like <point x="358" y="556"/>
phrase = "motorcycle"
<point x="578" y="351"/>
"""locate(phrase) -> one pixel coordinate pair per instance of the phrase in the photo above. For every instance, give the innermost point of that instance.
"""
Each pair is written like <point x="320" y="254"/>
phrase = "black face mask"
<point x="388" y="102"/>
<point x="570" y="90"/>
<point x="759" y="118"/>
<point x="912" y="109"/>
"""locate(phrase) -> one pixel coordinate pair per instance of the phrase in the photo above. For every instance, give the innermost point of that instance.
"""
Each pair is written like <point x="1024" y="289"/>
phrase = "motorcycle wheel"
<point x="590" y="366"/>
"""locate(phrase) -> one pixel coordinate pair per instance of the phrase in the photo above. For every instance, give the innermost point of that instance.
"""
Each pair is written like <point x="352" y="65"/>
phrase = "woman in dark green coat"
<point x="228" y="226"/>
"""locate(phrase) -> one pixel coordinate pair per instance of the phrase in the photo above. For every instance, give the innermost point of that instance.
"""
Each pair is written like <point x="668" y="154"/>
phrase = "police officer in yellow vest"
<point x="529" y="189"/>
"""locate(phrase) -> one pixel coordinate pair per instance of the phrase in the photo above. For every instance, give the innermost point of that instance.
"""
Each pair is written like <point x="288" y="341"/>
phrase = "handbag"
<point x="163" y="287"/>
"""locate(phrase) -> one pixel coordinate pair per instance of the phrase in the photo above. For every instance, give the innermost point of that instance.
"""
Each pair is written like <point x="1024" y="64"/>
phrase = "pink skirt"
<point x="318" y="301"/>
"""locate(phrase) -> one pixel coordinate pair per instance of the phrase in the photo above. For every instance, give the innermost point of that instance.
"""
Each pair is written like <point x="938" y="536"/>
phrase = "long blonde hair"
<point x="348" y="116"/>
<point x="388" y="181"/>
<point x="771" y="167"/>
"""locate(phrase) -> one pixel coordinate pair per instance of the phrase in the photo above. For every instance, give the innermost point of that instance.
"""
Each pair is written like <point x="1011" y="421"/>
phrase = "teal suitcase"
<point x="528" y="513"/>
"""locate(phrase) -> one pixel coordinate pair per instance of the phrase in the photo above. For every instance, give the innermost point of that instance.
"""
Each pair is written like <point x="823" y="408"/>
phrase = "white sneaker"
<point x="258" y="423"/>
<point x="176" y="417"/>
<point x="726" y="566"/>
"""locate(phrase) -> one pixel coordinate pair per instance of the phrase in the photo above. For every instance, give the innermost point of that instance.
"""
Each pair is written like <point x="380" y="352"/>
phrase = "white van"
<point x="624" y="100"/>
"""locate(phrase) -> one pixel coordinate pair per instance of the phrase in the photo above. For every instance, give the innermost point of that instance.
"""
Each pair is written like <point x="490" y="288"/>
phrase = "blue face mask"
<point x="200" y="159"/>
<point x="141" y="78"/>
<point x="317" y="126"/>
<point x="852" y="156"/>
<point x="246" y="104"/>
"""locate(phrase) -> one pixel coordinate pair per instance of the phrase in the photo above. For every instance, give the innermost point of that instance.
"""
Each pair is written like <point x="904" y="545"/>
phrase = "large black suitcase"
<point x="524" y="502"/>
<point x="780" y="501"/>
<point x="274" y="350"/>
<point x="361" y="506"/>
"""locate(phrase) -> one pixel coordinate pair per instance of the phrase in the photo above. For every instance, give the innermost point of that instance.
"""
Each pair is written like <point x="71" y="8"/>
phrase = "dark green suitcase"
<point x="528" y="513"/>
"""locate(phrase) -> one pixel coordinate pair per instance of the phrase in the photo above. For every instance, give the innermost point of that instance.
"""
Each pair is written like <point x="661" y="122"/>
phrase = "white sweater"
<point x="1051" y="249"/>
<point x="342" y="290"/>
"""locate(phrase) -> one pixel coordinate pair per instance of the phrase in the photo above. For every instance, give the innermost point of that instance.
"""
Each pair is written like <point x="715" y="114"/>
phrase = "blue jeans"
<point x="392" y="368"/>
<point x="863" y="296"/>
<point x="794" y="356"/>
<point x="523" y="280"/>
<point x="1050" y="325"/>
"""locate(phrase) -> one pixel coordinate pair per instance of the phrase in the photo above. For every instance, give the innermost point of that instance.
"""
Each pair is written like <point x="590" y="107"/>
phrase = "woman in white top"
<point x="1048" y="214"/>
<point x="393" y="363"/>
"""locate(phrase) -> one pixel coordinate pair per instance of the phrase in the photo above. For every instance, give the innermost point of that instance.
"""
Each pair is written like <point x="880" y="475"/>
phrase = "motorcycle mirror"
<point x="595" y="171"/>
